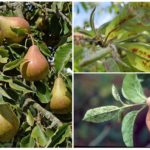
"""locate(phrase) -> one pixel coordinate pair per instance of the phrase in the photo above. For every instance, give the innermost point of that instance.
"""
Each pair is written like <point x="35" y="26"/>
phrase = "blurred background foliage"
<point x="94" y="90"/>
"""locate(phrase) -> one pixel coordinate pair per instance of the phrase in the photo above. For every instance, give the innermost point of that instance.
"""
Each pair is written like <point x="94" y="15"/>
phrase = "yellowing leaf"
<point x="138" y="55"/>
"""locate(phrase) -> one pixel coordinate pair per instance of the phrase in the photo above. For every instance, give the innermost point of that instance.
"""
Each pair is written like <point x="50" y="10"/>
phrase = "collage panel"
<point x="112" y="110"/>
<point x="111" y="36"/>
<point x="35" y="74"/>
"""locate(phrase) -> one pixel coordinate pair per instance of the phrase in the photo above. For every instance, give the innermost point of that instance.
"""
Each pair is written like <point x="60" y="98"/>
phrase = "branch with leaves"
<point x="135" y="101"/>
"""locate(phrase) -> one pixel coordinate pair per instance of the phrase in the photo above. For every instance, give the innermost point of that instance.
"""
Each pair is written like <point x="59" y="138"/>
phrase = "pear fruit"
<point x="35" y="66"/>
<point x="148" y="101"/>
<point x="8" y="23"/>
<point x="9" y="123"/>
<point x="148" y="120"/>
<point x="61" y="101"/>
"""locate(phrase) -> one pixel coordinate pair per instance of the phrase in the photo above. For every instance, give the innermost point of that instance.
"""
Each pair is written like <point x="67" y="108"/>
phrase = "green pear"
<point x="9" y="123"/>
<point x="8" y="23"/>
<point x="61" y="101"/>
<point x="35" y="66"/>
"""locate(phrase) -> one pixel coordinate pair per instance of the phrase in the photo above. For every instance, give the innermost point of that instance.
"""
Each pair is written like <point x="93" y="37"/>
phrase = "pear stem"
<point x="32" y="39"/>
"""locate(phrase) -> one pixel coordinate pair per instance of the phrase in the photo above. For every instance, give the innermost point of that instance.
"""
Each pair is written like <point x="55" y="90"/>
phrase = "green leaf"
<point x="101" y="114"/>
<point x="13" y="64"/>
<point x="66" y="134"/>
<point x="19" y="86"/>
<point x="43" y="92"/>
<point x="29" y="118"/>
<point x="19" y="31"/>
<point x="115" y="93"/>
<point x="4" y="93"/>
<point x="111" y="65"/>
<point x="39" y="135"/>
<point x="97" y="55"/>
<point x="4" y="78"/>
<point x="62" y="56"/>
<point x="27" y="141"/>
<point x="4" y="52"/>
<point x="132" y="89"/>
<point x="128" y="128"/>
<point x="92" y="20"/>
<point x="59" y="135"/>
<point x="3" y="60"/>
<point x="116" y="23"/>
<point x="44" y="49"/>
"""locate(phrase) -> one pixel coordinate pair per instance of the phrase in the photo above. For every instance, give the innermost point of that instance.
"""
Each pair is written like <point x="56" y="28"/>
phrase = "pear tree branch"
<point x="55" y="121"/>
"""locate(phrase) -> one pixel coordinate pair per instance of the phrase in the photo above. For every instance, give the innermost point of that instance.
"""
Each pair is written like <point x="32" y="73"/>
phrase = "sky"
<point x="100" y="18"/>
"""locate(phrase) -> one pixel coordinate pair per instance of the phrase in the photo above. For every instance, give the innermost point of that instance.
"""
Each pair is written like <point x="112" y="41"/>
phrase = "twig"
<point x="48" y="115"/>
<point x="65" y="18"/>
<point x="55" y="121"/>
<point x="100" y="137"/>
<point x="32" y="39"/>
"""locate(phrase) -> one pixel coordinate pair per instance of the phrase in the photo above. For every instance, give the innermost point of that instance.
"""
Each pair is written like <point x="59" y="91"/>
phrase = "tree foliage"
<point x="127" y="110"/>
<point x="120" y="45"/>
<point x="51" y="30"/>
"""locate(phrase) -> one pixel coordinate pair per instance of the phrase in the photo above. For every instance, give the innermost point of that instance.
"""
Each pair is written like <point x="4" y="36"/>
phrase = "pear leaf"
<point x="62" y="56"/>
<point x="132" y="89"/>
<point x="128" y="127"/>
<point x="101" y="114"/>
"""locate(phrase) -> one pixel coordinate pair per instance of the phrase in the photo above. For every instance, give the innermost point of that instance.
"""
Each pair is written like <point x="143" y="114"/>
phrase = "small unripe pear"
<point x="6" y="25"/>
<point x="61" y="101"/>
<point x="9" y="123"/>
<point x="35" y="66"/>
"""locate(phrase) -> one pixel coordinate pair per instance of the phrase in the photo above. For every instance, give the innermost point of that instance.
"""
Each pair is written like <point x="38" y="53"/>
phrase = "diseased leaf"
<point x="116" y="23"/>
<point x="115" y="93"/>
<point x="138" y="55"/>
<point x="132" y="89"/>
<point x="101" y="114"/>
<point x="128" y="128"/>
